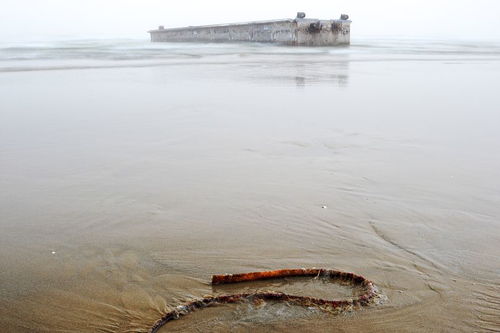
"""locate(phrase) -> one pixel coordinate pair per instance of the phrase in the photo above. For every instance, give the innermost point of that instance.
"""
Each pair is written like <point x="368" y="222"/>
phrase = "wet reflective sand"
<point x="126" y="186"/>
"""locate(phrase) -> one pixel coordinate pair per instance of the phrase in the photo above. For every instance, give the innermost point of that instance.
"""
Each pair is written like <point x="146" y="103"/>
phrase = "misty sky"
<point x="47" y="19"/>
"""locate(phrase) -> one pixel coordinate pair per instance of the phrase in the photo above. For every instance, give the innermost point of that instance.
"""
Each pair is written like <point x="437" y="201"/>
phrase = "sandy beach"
<point x="132" y="172"/>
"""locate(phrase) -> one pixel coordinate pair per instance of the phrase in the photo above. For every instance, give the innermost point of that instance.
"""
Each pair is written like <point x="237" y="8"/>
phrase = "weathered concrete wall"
<point x="299" y="31"/>
<point x="327" y="32"/>
<point x="273" y="31"/>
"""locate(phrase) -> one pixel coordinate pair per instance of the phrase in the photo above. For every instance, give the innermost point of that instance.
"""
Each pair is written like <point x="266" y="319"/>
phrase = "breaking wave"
<point x="92" y="54"/>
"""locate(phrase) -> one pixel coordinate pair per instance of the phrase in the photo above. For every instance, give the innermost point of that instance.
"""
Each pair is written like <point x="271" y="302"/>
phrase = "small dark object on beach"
<point x="368" y="296"/>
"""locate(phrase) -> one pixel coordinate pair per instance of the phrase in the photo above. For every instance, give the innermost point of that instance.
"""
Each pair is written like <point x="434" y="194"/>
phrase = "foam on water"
<point x="81" y="54"/>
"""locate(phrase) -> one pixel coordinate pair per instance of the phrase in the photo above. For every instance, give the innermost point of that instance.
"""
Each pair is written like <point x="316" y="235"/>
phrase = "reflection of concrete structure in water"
<point x="339" y="75"/>
<point x="340" y="79"/>
<point x="304" y="73"/>
<point x="298" y="31"/>
<point x="312" y="73"/>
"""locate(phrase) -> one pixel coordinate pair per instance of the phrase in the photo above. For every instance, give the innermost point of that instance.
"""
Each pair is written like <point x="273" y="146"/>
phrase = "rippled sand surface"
<point x="131" y="172"/>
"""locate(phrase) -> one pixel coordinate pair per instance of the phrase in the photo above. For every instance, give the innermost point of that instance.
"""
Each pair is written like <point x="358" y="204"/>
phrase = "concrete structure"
<point x="298" y="31"/>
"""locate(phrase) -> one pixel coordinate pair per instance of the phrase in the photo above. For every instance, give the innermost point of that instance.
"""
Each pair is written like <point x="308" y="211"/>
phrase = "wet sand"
<point x="125" y="187"/>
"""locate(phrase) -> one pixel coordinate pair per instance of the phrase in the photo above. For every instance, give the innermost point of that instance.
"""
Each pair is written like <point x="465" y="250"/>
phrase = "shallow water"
<point x="319" y="287"/>
<point x="131" y="172"/>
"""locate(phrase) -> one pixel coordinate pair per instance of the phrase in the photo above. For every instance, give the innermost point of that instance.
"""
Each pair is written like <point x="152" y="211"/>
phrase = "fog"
<point x="52" y="19"/>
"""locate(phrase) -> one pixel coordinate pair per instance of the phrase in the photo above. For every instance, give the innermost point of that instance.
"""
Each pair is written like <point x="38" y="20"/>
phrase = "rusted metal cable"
<point x="369" y="294"/>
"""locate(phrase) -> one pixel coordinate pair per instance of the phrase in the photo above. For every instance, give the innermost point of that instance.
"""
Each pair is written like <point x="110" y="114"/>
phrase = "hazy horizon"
<point x="132" y="172"/>
<point x="27" y="20"/>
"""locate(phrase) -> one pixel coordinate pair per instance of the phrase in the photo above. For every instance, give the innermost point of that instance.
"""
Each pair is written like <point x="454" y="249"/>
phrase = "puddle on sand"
<point x="320" y="287"/>
<point x="252" y="314"/>
<point x="243" y="317"/>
